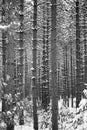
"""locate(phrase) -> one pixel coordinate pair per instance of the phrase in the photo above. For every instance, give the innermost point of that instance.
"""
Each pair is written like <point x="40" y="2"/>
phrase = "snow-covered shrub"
<point x="28" y="106"/>
<point x="3" y="125"/>
<point x="69" y="118"/>
<point x="45" y="119"/>
<point x="45" y="116"/>
<point x="79" y="121"/>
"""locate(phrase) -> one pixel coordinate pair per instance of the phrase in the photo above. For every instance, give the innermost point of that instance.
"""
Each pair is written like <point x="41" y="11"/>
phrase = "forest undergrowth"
<point x="69" y="118"/>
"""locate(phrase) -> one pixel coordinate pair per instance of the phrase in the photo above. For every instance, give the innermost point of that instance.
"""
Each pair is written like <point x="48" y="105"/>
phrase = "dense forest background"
<point x="43" y="52"/>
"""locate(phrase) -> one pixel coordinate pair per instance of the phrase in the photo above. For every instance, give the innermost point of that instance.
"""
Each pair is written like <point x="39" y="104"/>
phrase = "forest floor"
<point x="68" y="118"/>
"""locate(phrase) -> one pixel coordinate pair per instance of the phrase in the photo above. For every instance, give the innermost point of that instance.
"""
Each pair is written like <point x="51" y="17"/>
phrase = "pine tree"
<point x="65" y="72"/>
<point x="34" y="70"/>
<point x="21" y="46"/>
<point x="39" y="74"/>
<point x="3" y="54"/>
<point x="85" y="39"/>
<point x="72" y="76"/>
<point x="45" y="73"/>
<point x="21" y="52"/>
<point x="54" y="66"/>
<point x="26" y="75"/>
<point x="4" y="41"/>
<point x="78" y="82"/>
<point x="44" y="60"/>
<point x="47" y="49"/>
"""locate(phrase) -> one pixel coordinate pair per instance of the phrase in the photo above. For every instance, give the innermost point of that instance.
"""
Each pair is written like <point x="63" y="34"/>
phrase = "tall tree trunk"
<point x="54" y="67"/>
<point x="74" y="77"/>
<point x="39" y="74"/>
<point x="85" y="44"/>
<point x="9" y="54"/>
<point x="78" y="84"/>
<point x="68" y="81"/>
<point x="21" y="52"/>
<point x="4" y="41"/>
<point x="44" y="87"/>
<point x="58" y="80"/>
<point x="21" y="47"/>
<point x="10" y="64"/>
<point x="64" y="73"/>
<point x="3" y="54"/>
<point x="26" y="75"/>
<point x="71" y="77"/>
<point x="34" y="78"/>
<point x="15" y="76"/>
<point x="47" y="49"/>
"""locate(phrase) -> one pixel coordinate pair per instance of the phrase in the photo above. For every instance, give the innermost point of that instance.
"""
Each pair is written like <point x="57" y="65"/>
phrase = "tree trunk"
<point x="39" y="74"/>
<point x="34" y="78"/>
<point x="21" y="52"/>
<point x="4" y="42"/>
<point x="3" y="54"/>
<point x="21" y="47"/>
<point x="47" y="49"/>
<point x="78" y="84"/>
<point x="27" y="86"/>
<point x="64" y="73"/>
<point x="71" y="77"/>
<point x="44" y="87"/>
<point x="54" y="67"/>
<point x="85" y="44"/>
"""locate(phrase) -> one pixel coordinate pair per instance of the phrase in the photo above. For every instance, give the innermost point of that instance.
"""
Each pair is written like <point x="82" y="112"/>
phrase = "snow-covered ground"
<point x="22" y="127"/>
<point x="69" y="118"/>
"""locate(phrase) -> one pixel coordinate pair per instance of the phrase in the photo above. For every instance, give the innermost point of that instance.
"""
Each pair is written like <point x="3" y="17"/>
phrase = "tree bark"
<point x="21" y="47"/>
<point x="34" y="78"/>
<point x="78" y="84"/>
<point x="54" y="67"/>
<point x="3" y="55"/>
<point x="44" y="87"/>
<point x="85" y="40"/>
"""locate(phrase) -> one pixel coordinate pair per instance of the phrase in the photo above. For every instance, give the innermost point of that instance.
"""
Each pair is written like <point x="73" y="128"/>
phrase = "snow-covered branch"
<point x="5" y="27"/>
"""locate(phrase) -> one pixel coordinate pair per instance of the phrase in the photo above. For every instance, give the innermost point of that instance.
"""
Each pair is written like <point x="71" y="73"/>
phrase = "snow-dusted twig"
<point x="5" y="27"/>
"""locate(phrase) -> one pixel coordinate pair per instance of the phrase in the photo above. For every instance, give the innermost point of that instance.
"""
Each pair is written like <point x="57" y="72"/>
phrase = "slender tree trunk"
<point x="18" y="80"/>
<point x="26" y="75"/>
<point x="78" y="84"/>
<point x="44" y="87"/>
<point x="10" y="64"/>
<point x="15" y="76"/>
<point x="3" y="54"/>
<point x="54" y="67"/>
<point x="9" y="53"/>
<point x="39" y="75"/>
<point x="64" y="74"/>
<point x="74" y="77"/>
<point x="4" y="41"/>
<point x="47" y="49"/>
<point x="34" y="78"/>
<point x="21" y="52"/>
<point x="71" y="77"/>
<point x="21" y="47"/>
<point x="58" y="79"/>
<point x="85" y="44"/>
<point x="68" y="81"/>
